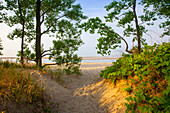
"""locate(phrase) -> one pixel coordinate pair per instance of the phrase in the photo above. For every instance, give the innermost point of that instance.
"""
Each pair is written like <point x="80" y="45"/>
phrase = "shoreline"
<point x="84" y="58"/>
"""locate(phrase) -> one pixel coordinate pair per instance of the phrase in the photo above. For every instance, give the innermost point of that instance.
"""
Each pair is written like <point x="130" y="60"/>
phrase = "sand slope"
<point x="87" y="93"/>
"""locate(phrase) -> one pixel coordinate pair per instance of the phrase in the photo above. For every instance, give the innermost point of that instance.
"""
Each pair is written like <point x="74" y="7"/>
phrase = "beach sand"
<point x="86" y="93"/>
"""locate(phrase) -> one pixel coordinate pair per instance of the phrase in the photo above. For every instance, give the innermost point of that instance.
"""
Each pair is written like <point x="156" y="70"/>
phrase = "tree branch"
<point x="120" y="37"/>
<point x="45" y="12"/>
<point x="42" y="19"/>
<point x="47" y="54"/>
<point x="48" y="29"/>
<point x="47" y="51"/>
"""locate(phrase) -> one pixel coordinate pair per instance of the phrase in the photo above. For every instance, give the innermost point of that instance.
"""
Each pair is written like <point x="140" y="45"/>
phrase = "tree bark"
<point x="38" y="34"/>
<point x="137" y="26"/>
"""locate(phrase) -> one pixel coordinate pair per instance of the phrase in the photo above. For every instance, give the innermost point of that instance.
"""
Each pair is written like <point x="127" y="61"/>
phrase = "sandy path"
<point x="83" y="94"/>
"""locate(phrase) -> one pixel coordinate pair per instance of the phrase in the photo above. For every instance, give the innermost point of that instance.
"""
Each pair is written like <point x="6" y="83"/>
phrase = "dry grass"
<point x="18" y="89"/>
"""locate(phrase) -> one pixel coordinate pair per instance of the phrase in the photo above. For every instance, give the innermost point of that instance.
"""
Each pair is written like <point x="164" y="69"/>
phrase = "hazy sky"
<point x="91" y="8"/>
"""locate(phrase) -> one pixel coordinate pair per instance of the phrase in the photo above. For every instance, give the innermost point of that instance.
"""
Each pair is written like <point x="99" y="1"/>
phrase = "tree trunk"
<point x="22" y="43"/>
<point x="23" y="33"/>
<point x="38" y="34"/>
<point x="137" y="25"/>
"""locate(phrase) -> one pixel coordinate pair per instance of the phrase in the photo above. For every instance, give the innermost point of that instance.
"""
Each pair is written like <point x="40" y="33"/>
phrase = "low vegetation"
<point x="19" y="89"/>
<point x="147" y="76"/>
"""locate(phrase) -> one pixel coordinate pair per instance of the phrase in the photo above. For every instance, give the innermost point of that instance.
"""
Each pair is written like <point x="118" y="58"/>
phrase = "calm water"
<point x="88" y="61"/>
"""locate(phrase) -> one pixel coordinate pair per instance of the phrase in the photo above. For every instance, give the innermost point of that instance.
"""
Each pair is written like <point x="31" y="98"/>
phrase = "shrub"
<point x="148" y="74"/>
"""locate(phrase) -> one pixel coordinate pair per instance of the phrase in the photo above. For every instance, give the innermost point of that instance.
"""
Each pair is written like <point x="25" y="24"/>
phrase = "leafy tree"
<point x="123" y="12"/>
<point x="57" y="17"/>
<point x="22" y="15"/>
<point x="60" y="17"/>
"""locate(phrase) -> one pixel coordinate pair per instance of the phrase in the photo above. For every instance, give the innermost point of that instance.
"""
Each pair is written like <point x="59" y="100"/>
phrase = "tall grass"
<point x="17" y="85"/>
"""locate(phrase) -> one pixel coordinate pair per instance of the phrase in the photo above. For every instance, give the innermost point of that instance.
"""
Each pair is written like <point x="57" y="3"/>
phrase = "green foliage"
<point x="128" y="89"/>
<point x="61" y="19"/>
<point x="67" y="42"/>
<point x="22" y="11"/>
<point x="23" y="14"/>
<point x="149" y="76"/>
<point x="63" y="54"/>
<point x="28" y="54"/>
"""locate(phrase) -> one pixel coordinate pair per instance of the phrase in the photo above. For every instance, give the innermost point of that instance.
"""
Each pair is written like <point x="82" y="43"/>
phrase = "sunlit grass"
<point x="17" y="85"/>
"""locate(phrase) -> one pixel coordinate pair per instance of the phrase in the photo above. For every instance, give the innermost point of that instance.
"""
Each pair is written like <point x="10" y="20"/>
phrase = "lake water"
<point x="88" y="61"/>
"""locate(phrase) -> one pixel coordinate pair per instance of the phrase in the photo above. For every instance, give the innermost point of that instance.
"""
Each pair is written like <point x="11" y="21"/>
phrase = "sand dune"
<point x="87" y="93"/>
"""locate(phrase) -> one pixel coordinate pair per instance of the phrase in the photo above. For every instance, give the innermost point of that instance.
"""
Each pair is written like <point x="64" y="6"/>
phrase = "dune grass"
<point x="18" y="86"/>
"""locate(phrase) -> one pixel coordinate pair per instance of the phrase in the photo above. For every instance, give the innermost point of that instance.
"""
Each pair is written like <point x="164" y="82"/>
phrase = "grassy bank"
<point x="18" y="91"/>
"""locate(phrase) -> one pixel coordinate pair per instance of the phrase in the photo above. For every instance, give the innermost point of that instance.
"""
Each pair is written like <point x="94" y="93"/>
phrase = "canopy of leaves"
<point x="55" y="13"/>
